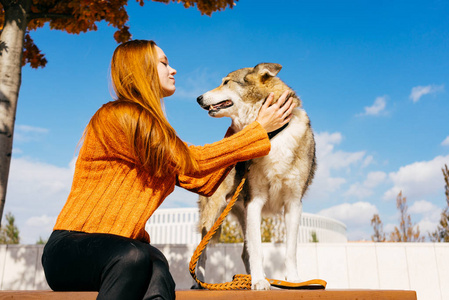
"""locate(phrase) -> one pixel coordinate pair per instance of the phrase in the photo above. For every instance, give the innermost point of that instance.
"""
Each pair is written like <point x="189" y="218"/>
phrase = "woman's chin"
<point x="168" y="93"/>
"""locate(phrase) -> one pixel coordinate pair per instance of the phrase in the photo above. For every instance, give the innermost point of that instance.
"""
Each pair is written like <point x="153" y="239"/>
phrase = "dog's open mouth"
<point x="220" y="105"/>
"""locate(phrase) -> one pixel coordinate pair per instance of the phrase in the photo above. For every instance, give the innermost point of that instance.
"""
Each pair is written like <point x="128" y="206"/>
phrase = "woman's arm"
<point x="217" y="159"/>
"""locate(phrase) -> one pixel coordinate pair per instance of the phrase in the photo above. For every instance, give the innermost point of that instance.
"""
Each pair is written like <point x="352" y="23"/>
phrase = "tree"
<point x="266" y="230"/>
<point x="41" y="241"/>
<point x="230" y="232"/>
<point x="406" y="231"/>
<point x="272" y="230"/>
<point x="10" y="233"/>
<point x="442" y="232"/>
<point x="379" y="235"/>
<point x="314" y="237"/>
<point x="19" y="17"/>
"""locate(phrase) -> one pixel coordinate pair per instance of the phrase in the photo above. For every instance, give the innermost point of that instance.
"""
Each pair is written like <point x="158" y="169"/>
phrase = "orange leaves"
<point x="78" y="16"/>
<point x="204" y="6"/>
<point x="122" y="35"/>
<point x="2" y="17"/>
<point x="32" y="54"/>
<point x="406" y="231"/>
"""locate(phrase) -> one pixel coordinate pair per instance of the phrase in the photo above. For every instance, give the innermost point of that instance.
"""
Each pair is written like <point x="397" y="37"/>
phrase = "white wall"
<point x="423" y="267"/>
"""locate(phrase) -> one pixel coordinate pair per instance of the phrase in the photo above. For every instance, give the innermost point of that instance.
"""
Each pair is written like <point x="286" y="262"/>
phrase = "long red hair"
<point x="138" y="110"/>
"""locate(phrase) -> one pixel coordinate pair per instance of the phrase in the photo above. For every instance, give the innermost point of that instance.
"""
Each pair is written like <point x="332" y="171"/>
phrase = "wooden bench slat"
<point x="226" y="295"/>
<point x="298" y="294"/>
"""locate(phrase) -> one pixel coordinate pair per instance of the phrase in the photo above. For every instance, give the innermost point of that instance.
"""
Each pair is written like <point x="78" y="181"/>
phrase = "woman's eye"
<point x="225" y="82"/>
<point x="164" y="63"/>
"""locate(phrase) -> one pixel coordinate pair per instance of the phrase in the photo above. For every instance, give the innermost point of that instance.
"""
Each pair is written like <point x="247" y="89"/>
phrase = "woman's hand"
<point x="273" y="117"/>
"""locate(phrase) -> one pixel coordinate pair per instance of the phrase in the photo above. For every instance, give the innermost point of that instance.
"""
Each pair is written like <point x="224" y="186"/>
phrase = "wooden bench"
<point x="222" y="295"/>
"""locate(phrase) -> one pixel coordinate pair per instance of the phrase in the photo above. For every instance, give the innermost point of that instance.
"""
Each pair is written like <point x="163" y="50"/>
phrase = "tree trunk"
<point x="11" y="47"/>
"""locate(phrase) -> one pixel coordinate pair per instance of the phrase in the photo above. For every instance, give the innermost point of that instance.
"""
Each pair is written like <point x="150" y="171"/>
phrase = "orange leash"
<point x="241" y="281"/>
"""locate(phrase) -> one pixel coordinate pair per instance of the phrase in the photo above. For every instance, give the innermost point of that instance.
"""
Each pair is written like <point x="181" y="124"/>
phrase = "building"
<point x="179" y="226"/>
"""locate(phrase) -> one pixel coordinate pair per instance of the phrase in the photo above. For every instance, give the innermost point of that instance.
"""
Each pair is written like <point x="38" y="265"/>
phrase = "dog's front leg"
<point x="292" y="214"/>
<point x="254" y="244"/>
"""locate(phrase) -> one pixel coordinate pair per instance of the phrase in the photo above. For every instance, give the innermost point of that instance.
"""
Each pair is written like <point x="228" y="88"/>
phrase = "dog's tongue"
<point x="222" y="104"/>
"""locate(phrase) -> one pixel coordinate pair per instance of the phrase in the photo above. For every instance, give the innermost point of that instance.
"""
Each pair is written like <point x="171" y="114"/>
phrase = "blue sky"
<point x="373" y="77"/>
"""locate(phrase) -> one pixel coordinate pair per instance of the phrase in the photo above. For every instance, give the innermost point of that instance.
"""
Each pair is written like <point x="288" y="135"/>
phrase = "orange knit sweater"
<point x="112" y="194"/>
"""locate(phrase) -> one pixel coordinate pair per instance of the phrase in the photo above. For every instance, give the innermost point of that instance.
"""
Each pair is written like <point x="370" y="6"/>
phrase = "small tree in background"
<point x="9" y="234"/>
<point x="266" y="230"/>
<point x="314" y="237"/>
<point x="272" y="230"/>
<point x="442" y="232"/>
<point x="41" y="241"/>
<point x="230" y="232"/>
<point x="406" y="231"/>
<point x="379" y="235"/>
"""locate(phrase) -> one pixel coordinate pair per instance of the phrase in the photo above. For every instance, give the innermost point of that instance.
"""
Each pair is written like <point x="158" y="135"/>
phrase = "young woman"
<point x="130" y="161"/>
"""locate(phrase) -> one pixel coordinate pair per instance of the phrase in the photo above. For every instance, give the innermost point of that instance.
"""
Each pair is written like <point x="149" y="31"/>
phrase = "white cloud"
<point x="365" y="189"/>
<point x="331" y="161"/>
<point x="389" y="228"/>
<point x="423" y="207"/>
<point x="27" y="128"/>
<point x="428" y="215"/>
<point x="419" y="179"/>
<point x="38" y="227"/>
<point x="25" y="133"/>
<point x="36" y="193"/>
<point x="377" y="108"/>
<point x="445" y="142"/>
<point x="356" y="216"/>
<point x="373" y="179"/>
<point x="427" y="226"/>
<point x="353" y="215"/>
<point x="419" y="91"/>
<point x="367" y="161"/>
<point x="358" y="191"/>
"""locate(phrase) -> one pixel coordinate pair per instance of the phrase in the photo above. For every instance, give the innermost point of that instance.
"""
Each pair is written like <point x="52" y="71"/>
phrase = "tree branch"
<point x="5" y="3"/>
<point x="32" y="16"/>
<point x="42" y="8"/>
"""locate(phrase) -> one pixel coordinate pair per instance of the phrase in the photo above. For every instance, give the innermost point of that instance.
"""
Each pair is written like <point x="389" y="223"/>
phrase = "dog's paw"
<point x="261" y="285"/>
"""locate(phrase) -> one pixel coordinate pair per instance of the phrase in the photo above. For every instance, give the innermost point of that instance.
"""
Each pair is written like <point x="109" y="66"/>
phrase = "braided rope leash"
<point x="241" y="281"/>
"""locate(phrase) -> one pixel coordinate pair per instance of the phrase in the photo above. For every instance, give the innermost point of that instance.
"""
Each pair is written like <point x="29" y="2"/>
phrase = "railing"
<point x="180" y="226"/>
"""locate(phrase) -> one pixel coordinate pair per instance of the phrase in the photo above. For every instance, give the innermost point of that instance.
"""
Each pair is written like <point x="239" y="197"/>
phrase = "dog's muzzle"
<point x="213" y="108"/>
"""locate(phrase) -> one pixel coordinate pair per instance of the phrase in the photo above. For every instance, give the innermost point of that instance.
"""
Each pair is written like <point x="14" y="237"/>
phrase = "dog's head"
<point x="243" y="91"/>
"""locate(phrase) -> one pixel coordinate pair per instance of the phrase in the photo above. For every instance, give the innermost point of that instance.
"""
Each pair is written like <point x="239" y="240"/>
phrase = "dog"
<point x="275" y="183"/>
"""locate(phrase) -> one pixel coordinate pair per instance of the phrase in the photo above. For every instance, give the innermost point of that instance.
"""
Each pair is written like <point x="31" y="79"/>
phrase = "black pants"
<point x="115" y="266"/>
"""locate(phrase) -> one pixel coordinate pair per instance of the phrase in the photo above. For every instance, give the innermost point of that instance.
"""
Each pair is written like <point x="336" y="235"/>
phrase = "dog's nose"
<point x="199" y="99"/>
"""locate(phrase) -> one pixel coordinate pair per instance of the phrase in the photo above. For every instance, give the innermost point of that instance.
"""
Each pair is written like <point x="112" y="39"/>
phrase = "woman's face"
<point x="166" y="74"/>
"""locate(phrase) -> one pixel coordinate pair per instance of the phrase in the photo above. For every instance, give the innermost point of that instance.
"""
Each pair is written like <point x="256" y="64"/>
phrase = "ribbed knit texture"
<point x="112" y="194"/>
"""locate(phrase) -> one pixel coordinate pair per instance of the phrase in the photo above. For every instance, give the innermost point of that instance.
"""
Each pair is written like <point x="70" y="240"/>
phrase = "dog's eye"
<point x="225" y="82"/>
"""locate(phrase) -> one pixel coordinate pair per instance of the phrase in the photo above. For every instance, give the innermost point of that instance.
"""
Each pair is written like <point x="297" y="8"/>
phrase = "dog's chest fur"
<point x="275" y="176"/>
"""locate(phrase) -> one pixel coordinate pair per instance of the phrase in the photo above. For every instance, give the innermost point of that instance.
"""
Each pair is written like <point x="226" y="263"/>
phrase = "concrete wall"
<point x="423" y="267"/>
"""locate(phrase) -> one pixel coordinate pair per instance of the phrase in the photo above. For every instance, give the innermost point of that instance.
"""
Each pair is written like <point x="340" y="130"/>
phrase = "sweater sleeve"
<point x="216" y="160"/>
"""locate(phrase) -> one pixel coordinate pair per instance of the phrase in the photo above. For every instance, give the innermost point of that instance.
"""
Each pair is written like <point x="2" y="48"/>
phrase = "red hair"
<point x="138" y="110"/>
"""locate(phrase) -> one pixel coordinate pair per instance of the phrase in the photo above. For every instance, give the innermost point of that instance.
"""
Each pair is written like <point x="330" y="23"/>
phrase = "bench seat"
<point x="234" y="295"/>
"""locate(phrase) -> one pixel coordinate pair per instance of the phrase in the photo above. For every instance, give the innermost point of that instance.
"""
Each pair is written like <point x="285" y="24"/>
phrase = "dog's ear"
<point x="266" y="70"/>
